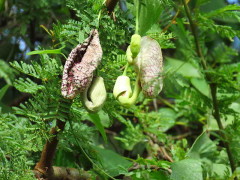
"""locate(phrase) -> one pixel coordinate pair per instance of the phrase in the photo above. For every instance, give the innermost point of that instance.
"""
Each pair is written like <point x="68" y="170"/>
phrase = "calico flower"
<point x="149" y="66"/>
<point x="80" y="65"/>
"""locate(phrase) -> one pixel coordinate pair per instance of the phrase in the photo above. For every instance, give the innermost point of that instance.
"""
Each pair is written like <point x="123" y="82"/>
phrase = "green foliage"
<point x="174" y="136"/>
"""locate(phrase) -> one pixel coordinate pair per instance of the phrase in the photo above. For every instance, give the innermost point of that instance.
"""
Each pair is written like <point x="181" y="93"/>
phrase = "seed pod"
<point x="149" y="66"/>
<point x="80" y="65"/>
<point x="135" y="45"/>
<point x="122" y="88"/>
<point x="95" y="96"/>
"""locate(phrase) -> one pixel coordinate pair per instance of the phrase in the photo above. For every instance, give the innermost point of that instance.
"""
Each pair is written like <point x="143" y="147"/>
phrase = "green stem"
<point x="137" y="17"/>
<point x="213" y="88"/>
<point x="216" y="115"/>
<point x="194" y="31"/>
<point x="125" y="70"/>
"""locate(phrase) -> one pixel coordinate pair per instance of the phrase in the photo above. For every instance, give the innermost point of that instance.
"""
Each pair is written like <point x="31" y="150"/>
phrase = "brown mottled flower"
<point x="80" y="65"/>
<point x="149" y="66"/>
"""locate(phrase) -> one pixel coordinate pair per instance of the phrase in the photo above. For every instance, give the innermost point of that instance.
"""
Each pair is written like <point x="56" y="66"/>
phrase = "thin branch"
<point x="194" y="31"/>
<point x="44" y="166"/>
<point x="213" y="88"/>
<point x="216" y="115"/>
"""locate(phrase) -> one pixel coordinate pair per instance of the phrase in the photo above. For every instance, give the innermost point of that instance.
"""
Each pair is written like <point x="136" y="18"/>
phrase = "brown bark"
<point x="110" y="4"/>
<point x="62" y="173"/>
<point x="44" y="166"/>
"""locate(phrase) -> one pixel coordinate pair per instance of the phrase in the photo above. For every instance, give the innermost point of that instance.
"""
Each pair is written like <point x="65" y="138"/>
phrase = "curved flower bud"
<point x="80" y="65"/>
<point x="149" y="66"/>
<point x="122" y="88"/>
<point x="135" y="45"/>
<point x="95" y="96"/>
<point x="122" y="91"/>
<point x="129" y="55"/>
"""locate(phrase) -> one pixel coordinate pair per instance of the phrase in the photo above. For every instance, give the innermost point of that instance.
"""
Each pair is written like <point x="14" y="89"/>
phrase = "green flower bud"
<point x="129" y="55"/>
<point x="95" y="96"/>
<point x="123" y="92"/>
<point x="135" y="44"/>
<point x="122" y="88"/>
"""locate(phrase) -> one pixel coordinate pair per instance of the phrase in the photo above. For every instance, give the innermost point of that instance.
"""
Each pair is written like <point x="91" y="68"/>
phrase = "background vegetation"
<point x="191" y="131"/>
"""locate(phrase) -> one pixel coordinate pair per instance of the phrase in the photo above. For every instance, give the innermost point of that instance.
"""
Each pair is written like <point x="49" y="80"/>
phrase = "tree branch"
<point x="44" y="166"/>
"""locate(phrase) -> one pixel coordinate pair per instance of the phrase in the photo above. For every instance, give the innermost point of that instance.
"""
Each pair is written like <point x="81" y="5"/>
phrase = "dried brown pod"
<point x="149" y="65"/>
<point x="80" y="65"/>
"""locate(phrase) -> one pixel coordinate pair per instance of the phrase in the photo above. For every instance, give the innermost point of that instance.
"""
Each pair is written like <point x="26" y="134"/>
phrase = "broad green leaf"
<point x="97" y="121"/>
<point x="3" y="90"/>
<point x="113" y="163"/>
<point x="187" y="169"/>
<point x="149" y="14"/>
<point x="201" y="85"/>
<point x="162" y="120"/>
<point x="203" y="147"/>
<point x="184" y="68"/>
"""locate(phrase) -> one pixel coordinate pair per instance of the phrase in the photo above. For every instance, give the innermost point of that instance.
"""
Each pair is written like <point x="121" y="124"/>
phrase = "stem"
<point x="213" y="88"/>
<point x="44" y="166"/>
<point x="137" y="17"/>
<point x="125" y="70"/>
<point x="194" y="31"/>
<point x="216" y="115"/>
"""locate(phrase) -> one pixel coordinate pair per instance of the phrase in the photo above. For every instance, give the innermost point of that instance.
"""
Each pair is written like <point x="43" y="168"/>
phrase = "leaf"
<point x="97" y="121"/>
<point x="149" y="14"/>
<point x="217" y="12"/>
<point x="203" y="147"/>
<point x="3" y="90"/>
<point x="27" y="86"/>
<point x="162" y="120"/>
<point x="53" y="51"/>
<point x="187" y="169"/>
<point x="184" y="68"/>
<point x="113" y="163"/>
<point x="201" y="85"/>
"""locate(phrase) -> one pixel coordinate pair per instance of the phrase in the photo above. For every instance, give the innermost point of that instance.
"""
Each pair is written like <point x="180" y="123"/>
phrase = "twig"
<point x="216" y="115"/>
<point x="213" y="88"/>
<point x="172" y="21"/>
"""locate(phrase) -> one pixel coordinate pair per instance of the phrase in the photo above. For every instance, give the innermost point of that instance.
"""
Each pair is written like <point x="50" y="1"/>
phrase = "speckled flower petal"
<point x="80" y="65"/>
<point x="149" y="65"/>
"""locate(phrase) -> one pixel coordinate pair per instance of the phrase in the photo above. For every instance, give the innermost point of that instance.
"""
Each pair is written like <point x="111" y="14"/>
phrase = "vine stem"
<point x="213" y="88"/>
<point x="137" y="17"/>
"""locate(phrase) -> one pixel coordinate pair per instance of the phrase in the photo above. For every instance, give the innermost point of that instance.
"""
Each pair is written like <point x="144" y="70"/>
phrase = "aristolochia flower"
<point x="149" y="66"/>
<point x="94" y="97"/>
<point x="80" y="65"/>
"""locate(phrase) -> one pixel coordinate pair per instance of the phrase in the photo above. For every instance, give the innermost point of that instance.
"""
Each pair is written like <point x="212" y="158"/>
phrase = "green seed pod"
<point x="135" y="45"/>
<point x="95" y="96"/>
<point x="149" y="65"/>
<point x="122" y="88"/>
